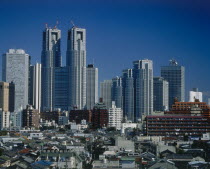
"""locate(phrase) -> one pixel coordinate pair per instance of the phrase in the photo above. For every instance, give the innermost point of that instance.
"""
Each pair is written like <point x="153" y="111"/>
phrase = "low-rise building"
<point x="100" y="115"/>
<point x="30" y="117"/>
<point x="115" y="116"/>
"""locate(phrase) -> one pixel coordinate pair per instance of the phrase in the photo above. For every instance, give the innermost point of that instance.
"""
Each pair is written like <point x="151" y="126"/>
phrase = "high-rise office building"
<point x="160" y="94"/>
<point x="51" y="58"/>
<point x="117" y="92"/>
<point x="195" y="94"/>
<point x="76" y="61"/>
<point x="35" y="86"/>
<point x="92" y="86"/>
<point x="128" y="94"/>
<point x="61" y="88"/>
<point x="175" y="75"/>
<point x="15" y="68"/>
<point x="106" y="92"/>
<point x="7" y="96"/>
<point x="143" y="95"/>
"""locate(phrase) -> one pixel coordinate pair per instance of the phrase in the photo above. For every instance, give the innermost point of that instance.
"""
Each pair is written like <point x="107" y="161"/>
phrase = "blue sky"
<point x="118" y="32"/>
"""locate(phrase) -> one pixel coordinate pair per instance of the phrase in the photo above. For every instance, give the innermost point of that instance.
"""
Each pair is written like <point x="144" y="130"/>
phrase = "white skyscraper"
<point x="15" y="67"/>
<point x="115" y="116"/>
<point x="35" y="86"/>
<point x="143" y="75"/>
<point x="195" y="94"/>
<point x="76" y="61"/>
<point x="106" y="92"/>
<point x="92" y="86"/>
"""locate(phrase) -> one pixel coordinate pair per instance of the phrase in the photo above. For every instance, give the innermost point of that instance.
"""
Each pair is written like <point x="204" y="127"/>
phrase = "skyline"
<point x="137" y="30"/>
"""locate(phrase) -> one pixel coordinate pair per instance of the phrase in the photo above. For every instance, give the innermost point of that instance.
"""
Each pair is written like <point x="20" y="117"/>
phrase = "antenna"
<point x="46" y="25"/>
<point x="72" y="23"/>
<point x="56" y="24"/>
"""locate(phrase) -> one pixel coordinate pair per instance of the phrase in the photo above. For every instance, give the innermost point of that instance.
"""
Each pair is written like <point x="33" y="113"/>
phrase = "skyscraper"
<point x="128" y="94"/>
<point x="106" y="92"/>
<point x="51" y="58"/>
<point x="7" y="96"/>
<point x="61" y="88"/>
<point x="160" y="94"/>
<point x="76" y="62"/>
<point x="175" y="75"/>
<point x="143" y="75"/>
<point x="117" y="92"/>
<point x="35" y="86"/>
<point x="92" y="86"/>
<point x="15" y="68"/>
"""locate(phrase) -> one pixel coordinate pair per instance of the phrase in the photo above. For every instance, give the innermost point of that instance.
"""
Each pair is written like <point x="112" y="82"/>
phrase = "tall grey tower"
<point x="175" y="75"/>
<point x="160" y="94"/>
<point x="143" y="74"/>
<point x="15" y="68"/>
<point x="51" y="58"/>
<point x="92" y="86"/>
<point x="106" y="92"/>
<point x="76" y="61"/>
<point x="128" y="94"/>
<point x="117" y="92"/>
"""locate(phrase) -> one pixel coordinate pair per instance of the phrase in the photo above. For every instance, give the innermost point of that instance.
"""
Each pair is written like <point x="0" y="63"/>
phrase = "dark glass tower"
<point x="175" y="75"/>
<point x="51" y="58"/>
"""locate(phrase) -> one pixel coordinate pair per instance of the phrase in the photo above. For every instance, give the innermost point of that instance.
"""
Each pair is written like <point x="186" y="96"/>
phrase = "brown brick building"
<point x="78" y="115"/>
<point x="184" y="118"/>
<point x="100" y="115"/>
<point x="51" y="115"/>
<point x="30" y="117"/>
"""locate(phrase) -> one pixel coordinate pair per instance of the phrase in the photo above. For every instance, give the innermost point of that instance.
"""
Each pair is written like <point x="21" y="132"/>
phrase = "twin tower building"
<point x="66" y="87"/>
<point x="49" y="85"/>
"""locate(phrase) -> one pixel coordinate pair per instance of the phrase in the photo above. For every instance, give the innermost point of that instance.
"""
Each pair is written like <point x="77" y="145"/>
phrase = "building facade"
<point x="195" y="94"/>
<point x="175" y="75"/>
<point x="78" y="115"/>
<point x="115" y="117"/>
<point x="15" y="68"/>
<point x="35" y="86"/>
<point x="51" y="116"/>
<point x="128" y="94"/>
<point x="30" y="117"/>
<point x="76" y="62"/>
<point x="160" y="94"/>
<point x="117" y="92"/>
<point x="184" y="118"/>
<point x="61" y="88"/>
<point x="143" y="88"/>
<point x="92" y="86"/>
<point x="100" y="115"/>
<point x="51" y="58"/>
<point x="4" y="120"/>
<point x="7" y="96"/>
<point x="106" y="92"/>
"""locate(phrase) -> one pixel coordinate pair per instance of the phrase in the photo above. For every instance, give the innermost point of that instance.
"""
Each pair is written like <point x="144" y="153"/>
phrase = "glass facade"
<point x="175" y="75"/>
<point x="61" y="88"/>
